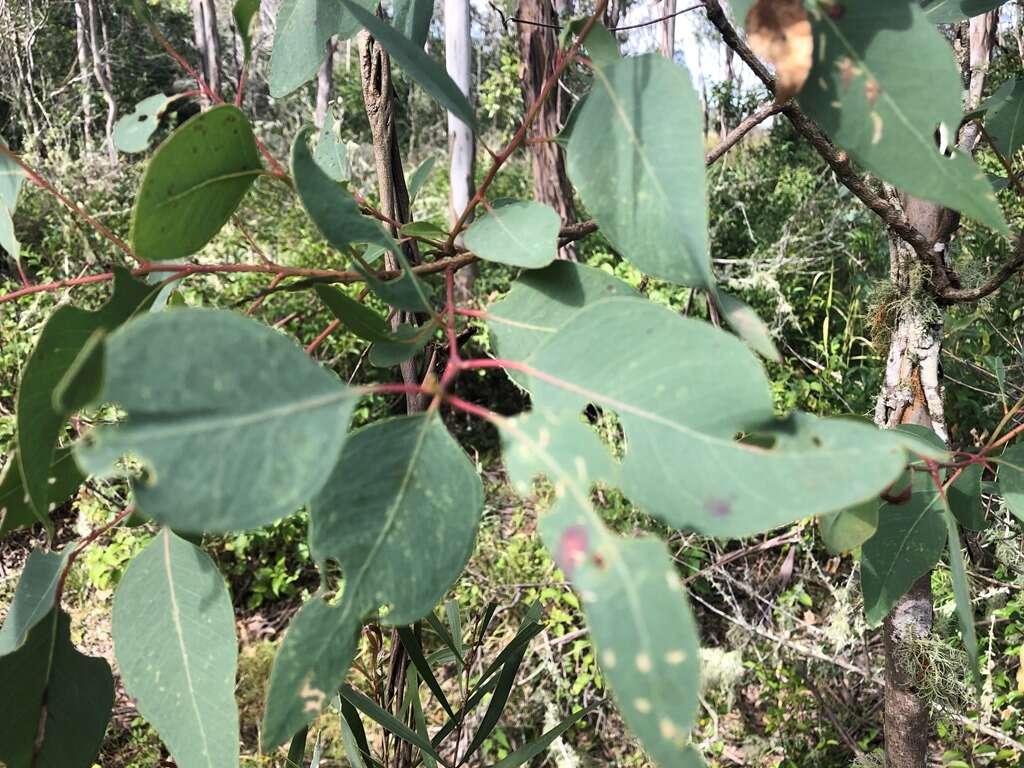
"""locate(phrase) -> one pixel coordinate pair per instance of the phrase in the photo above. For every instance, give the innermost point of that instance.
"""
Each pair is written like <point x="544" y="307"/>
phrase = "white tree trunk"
<point x="324" y="85"/>
<point x="668" y="31"/>
<point x="461" y="146"/>
<point x="84" y="70"/>
<point x="101" y="69"/>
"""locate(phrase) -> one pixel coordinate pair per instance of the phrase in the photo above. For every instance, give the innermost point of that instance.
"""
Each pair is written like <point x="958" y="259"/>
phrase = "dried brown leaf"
<point x="780" y="32"/>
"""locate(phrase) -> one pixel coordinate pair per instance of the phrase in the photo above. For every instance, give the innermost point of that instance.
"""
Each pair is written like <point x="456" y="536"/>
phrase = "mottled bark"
<point x="84" y="69"/>
<point x="101" y="70"/>
<point x="207" y="40"/>
<point x="538" y="48"/>
<point x="379" y="100"/>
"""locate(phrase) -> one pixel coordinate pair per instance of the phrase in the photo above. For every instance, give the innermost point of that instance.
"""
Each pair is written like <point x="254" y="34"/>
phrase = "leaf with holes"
<point x="194" y="183"/>
<point x="59" y="351"/>
<point x="399" y="514"/>
<point x="683" y="391"/>
<point x="906" y="546"/>
<point x="174" y="637"/>
<point x="133" y="131"/>
<point x="239" y="432"/>
<point x="635" y="155"/>
<point x="865" y="92"/>
<point x="520" y="234"/>
<point x="635" y="605"/>
<point x="64" y="699"/>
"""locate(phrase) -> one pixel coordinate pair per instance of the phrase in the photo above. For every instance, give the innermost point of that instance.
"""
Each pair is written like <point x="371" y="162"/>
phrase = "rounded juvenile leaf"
<point x="235" y="425"/>
<point x="635" y="154"/>
<point x="849" y="528"/>
<point x="132" y="131"/>
<point x="866" y="93"/>
<point x="193" y="184"/>
<point x="60" y="700"/>
<point x="174" y="637"/>
<point x="521" y="234"/>
<point x="1011" y="479"/>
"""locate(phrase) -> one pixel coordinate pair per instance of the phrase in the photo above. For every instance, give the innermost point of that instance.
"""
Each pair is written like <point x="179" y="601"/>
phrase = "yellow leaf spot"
<point x="643" y="706"/>
<point x="643" y="663"/>
<point x="675" y="657"/>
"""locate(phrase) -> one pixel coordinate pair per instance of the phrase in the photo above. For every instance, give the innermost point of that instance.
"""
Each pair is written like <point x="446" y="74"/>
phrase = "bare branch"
<point x="746" y="126"/>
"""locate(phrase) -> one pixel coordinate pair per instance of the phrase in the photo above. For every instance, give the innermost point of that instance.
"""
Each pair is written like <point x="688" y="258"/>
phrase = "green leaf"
<point x="538" y="746"/>
<point x="419" y="177"/>
<point x="419" y="719"/>
<point x="34" y="596"/>
<point x="849" y="528"/>
<point x="239" y="432"/>
<point x="389" y="347"/>
<point x="246" y="16"/>
<point x="423" y="229"/>
<point x="521" y="234"/>
<point x="193" y="184"/>
<point x="11" y="178"/>
<point x="174" y="637"/>
<point x="412" y="19"/>
<point x="748" y="326"/>
<point x="406" y="291"/>
<point x="331" y="153"/>
<point x="962" y="591"/>
<point x="951" y="11"/>
<point x="352" y="734"/>
<point x="411" y="57"/>
<point x="331" y="207"/>
<point x="499" y="698"/>
<point x="635" y="606"/>
<point x="390" y="723"/>
<point x="541" y="302"/>
<point x="415" y="650"/>
<point x="683" y="391"/>
<point x="58" y="695"/>
<point x="906" y="546"/>
<point x="15" y="509"/>
<point x="865" y="92"/>
<point x="740" y="9"/>
<point x="964" y="497"/>
<point x="301" y="32"/>
<point x="446" y="638"/>
<point x="41" y="420"/>
<point x="1004" y="118"/>
<point x="1010" y="479"/>
<point x="297" y="749"/>
<point x="635" y="154"/>
<point x="399" y="513"/>
<point x="133" y="131"/>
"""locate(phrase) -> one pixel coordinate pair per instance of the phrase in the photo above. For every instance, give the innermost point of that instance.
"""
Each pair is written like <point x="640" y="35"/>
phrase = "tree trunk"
<point x="379" y="99"/>
<point x="324" y="85"/>
<point x="207" y="39"/>
<point x="913" y="394"/>
<point x="538" y="48"/>
<point x="668" y="32"/>
<point x="84" y="71"/>
<point x="461" y="144"/>
<point x="100" y="69"/>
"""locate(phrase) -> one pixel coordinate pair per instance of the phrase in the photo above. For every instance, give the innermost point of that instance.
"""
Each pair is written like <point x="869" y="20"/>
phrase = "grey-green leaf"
<point x="683" y="462"/>
<point x="331" y="207"/>
<point x="865" y="92"/>
<point x="849" y="528"/>
<point x="302" y="30"/>
<point x="331" y="153"/>
<point x="907" y="544"/>
<point x="174" y="636"/>
<point x="419" y="177"/>
<point x="241" y="431"/>
<point x="246" y="15"/>
<point x="635" y="154"/>
<point x="521" y="234"/>
<point x="1004" y="117"/>
<point x="412" y="19"/>
<point x="399" y="514"/>
<point x="16" y="510"/>
<point x="964" y="497"/>
<point x="411" y="57"/>
<point x="57" y="352"/>
<point x="34" y="596"/>
<point x="133" y="131"/>
<point x="962" y="592"/>
<point x="193" y="184"/>
<point x="63" y="700"/>
<point x="1010" y="479"/>
<point x="951" y="11"/>
<point x="748" y="325"/>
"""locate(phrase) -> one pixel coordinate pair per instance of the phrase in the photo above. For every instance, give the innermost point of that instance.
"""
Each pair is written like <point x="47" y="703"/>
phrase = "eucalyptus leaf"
<point x="246" y="15"/>
<point x="412" y="19"/>
<point x="133" y="130"/>
<point x="1004" y="117"/>
<point x="11" y="178"/>
<point x="411" y="57"/>
<point x="748" y="326"/>
<point x="906" y="546"/>
<point x="34" y="597"/>
<point x="40" y="419"/>
<point x="1010" y="479"/>
<point x="16" y="511"/>
<point x="194" y="183"/>
<point x="331" y="153"/>
<point x="419" y="177"/>
<point x="301" y="32"/>
<point x="520" y="234"/>
<point x="962" y="592"/>
<point x="239" y="432"/>
<point x="865" y="92"/>
<point x="635" y="155"/>
<point x="174" y="637"/>
<point x="964" y="497"/>
<point x="951" y="11"/>
<point x="64" y="700"/>
<point x="399" y="514"/>
<point x="849" y="528"/>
